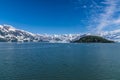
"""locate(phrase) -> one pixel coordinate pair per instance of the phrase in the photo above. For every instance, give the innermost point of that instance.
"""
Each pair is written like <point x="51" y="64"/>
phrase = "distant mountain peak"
<point x="9" y="33"/>
<point x="7" y="27"/>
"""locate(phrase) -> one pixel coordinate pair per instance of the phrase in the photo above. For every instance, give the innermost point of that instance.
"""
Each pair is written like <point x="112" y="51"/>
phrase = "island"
<point x="92" y="39"/>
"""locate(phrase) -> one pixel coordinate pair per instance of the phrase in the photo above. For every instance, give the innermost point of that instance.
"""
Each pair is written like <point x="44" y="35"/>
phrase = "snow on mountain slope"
<point x="111" y="35"/>
<point x="65" y="38"/>
<point x="11" y="34"/>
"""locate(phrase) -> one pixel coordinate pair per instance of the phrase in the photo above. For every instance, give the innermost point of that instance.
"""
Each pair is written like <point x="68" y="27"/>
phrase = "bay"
<point x="55" y="61"/>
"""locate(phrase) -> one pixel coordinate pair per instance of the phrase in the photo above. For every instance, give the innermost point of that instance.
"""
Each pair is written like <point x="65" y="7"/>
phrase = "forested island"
<point x="92" y="39"/>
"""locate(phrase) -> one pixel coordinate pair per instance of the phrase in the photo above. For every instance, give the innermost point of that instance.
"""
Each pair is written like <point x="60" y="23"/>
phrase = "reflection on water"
<point x="45" y="61"/>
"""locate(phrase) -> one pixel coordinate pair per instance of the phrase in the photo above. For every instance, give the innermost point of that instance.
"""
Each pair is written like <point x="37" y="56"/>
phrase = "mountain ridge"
<point x="9" y="33"/>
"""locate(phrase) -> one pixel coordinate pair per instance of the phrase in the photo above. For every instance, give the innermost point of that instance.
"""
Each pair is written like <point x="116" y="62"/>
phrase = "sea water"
<point x="54" y="61"/>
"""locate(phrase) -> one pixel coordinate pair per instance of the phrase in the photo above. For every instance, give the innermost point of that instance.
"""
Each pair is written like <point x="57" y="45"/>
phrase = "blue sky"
<point x="60" y="16"/>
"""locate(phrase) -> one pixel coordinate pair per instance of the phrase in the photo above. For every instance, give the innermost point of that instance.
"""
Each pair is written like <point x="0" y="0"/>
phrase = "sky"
<point x="61" y="16"/>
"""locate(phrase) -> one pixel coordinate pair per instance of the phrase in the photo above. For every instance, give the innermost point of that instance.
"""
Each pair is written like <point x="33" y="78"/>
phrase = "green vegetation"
<point x="92" y="39"/>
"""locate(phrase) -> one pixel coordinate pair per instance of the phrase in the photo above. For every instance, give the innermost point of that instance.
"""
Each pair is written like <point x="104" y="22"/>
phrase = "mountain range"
<point x="10" y="34"/>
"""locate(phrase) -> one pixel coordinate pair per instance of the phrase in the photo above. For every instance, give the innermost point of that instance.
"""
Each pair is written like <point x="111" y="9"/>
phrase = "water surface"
<point x="47" y="61"/>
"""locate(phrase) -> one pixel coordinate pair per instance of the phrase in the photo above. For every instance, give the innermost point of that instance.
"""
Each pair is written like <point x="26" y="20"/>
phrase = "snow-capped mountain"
<point x="111" y="35"/>
<point x="11" y="34"/>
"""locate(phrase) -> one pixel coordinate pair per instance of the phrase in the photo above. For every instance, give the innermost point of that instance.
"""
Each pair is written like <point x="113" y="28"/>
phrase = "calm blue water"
<point x="45" y="61"/>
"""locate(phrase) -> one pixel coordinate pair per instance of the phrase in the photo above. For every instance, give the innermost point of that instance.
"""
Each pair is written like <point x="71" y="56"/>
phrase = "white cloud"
<point x="107" y="18"/>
